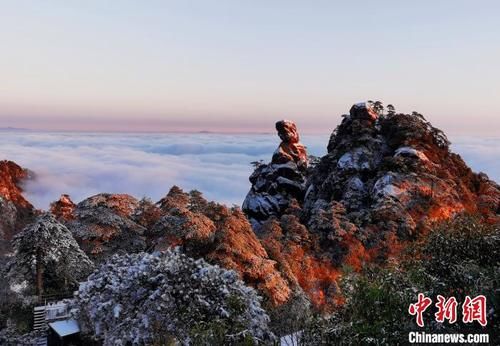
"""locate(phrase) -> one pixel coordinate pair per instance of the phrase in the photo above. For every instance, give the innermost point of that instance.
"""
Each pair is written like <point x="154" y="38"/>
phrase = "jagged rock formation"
<point x="390" y="177"/>
<point x="385" y="180"/>
<point x="11" y="176"/>
<point x="64" y="208"/>
<point x="301" y="260"/>
<point x="277" y="184"/>
<point x="15" y="210"/>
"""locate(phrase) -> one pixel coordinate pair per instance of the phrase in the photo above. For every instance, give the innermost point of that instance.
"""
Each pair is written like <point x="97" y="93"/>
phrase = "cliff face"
<point x="11" y="177"/>
<point x="15" y="210"/>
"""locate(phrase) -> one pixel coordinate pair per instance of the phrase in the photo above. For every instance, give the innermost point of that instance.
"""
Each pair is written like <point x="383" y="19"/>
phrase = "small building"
<point x="63" y="333"/>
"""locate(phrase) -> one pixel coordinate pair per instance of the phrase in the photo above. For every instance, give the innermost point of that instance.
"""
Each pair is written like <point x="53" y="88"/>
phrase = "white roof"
<point x="66" y="327"/>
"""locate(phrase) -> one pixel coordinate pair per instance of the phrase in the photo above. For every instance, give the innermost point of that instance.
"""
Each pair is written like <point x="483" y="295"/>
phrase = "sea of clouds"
<point x="84" y="164"/>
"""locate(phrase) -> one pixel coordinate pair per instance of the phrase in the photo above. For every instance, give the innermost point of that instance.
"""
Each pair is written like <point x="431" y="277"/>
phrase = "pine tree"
<point x="146" y="213"/>
<point x="378" y="107"/>
<point x="175" y="198"/>
<point x="197" y="203"/>
<point x="48" y="245"/>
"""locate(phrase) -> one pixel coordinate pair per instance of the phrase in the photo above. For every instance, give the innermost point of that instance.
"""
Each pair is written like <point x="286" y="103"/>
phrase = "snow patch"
<point x="385" y="187"/>
<point x="19" y="287"/>
<point x="355" y="159"/>
<point x="409" y="151"/>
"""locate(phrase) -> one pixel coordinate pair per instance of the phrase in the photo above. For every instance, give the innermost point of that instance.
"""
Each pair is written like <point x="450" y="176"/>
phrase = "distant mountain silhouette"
<point x="13" y="129"/>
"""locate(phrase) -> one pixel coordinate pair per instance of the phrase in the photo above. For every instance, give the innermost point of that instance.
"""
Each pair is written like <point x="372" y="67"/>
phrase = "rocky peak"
<point x="63" y="208"/>
<point x="11" y="177"/>
<point x="276" y="185"/>
<point x="364" y="111"/>
<point x="104" y="224"/>
<point x="122" y="204"/>
<point x="175" y="198"/>
<point x="15" y="210"/>
<point x="386" y="179"/>
<point x="394" y="175"/>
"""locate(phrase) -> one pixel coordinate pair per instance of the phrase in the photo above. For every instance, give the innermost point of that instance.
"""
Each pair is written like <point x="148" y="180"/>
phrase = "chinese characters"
<point x="473" y="309"/>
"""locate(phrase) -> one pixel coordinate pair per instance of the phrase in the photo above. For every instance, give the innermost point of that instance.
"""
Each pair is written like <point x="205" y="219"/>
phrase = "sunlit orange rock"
<point x="222" y="236"/>
<point x="290" y="148"/>
<point x="63" y="208"/>
<point x="11" y="178"/>
<point x="15" y="211"/>
<point x="300" y="258"/>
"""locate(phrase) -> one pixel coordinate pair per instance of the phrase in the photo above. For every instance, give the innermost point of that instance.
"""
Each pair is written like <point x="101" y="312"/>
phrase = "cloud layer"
<point x="83" y="164"/>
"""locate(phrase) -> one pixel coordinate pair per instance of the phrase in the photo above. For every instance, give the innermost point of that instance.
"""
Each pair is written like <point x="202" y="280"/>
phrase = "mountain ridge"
<point x="386" y="179"/>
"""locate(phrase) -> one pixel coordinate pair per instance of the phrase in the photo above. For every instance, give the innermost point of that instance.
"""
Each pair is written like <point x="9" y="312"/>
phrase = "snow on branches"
<point x="47" y="246"/>
<point x="153" y="298"/>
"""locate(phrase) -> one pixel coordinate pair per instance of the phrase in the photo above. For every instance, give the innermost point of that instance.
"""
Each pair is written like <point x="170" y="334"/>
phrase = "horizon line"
<point x="228" y="132"/>
<point x="306" y="132"/>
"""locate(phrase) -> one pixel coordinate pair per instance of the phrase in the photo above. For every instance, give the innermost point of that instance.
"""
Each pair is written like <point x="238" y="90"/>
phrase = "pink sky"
<point x="233" y="67"/>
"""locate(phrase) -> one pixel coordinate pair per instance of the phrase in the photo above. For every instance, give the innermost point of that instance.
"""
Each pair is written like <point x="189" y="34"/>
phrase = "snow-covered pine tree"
<point x="48" y="245"/>
<point x="162" y="297"/>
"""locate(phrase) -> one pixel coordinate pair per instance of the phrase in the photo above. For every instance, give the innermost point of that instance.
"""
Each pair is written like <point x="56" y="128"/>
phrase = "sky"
<point x="147" y="165"/>
<point x="238" y="66"/>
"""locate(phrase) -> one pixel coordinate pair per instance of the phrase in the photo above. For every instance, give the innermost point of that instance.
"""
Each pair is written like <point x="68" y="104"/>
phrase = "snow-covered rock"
<point x="384" y="175"/>
<point x="385" y="187"/>
<point x="358" y="159"/>
<point x="411" y="152"/>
